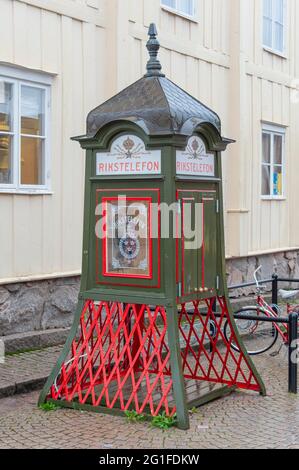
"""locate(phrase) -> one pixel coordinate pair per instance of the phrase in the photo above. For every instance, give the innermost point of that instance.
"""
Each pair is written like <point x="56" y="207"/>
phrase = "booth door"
<point x="198" y="245"/>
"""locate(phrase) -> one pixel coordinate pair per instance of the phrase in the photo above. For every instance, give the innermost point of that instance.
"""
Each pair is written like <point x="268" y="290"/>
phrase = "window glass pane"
<point x="266" y="148"/>
<point x="32" y="165"/>
<point x="277" y="181"/>
<point x="5" y="106"/>
<point x="169" y="3"/>
<point x="266" y="180"/>
<point x="127" y="244"/>
<point x="5" y="159"/>
<point x="268" y="8"/>
<point x="267" y="32"/>
<point x="186" y="6"/>
<point x="278" y="149"/>
<point x="278" y="11"/>
<point x="32" y="110"/>
<point x="278" y="37"/>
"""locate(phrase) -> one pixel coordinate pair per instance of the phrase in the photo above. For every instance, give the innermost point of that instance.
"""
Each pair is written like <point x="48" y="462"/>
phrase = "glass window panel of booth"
<point x="127" y="243"/>
<point x="199" y="241"/>
<point x="209" y="260"/>
<point x="128" y="237"/>
<point x="190" y="257"/>
<point x="24" y="113"/>
<point x="273" y="143"/>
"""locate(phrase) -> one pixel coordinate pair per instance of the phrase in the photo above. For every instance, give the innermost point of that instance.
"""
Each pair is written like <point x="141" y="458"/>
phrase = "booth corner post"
<point x="142" y="336"/>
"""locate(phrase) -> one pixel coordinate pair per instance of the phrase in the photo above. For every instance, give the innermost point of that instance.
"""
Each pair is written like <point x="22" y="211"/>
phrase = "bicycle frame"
<point x="283" y="329"/>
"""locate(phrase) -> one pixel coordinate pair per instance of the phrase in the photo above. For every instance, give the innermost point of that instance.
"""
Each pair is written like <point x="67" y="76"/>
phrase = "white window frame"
<point x="273" y="130"/>
<point x="272" y="49"/>
<point x="18" y="77"/>
<point x="177" y="11"/>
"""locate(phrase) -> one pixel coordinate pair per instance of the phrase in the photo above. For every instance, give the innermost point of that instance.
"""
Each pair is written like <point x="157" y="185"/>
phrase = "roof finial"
<point x="153" y="66"/>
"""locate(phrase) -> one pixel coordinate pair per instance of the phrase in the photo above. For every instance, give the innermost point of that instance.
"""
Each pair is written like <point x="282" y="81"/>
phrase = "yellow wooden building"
<point x="61" y="58"/>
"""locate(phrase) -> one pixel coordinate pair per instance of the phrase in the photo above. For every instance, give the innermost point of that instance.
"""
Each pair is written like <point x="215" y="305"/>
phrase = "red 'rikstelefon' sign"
<point x="145" y="336"/>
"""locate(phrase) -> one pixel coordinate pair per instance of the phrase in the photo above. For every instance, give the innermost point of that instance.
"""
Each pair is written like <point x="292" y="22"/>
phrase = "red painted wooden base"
<point x="121" y="358"/>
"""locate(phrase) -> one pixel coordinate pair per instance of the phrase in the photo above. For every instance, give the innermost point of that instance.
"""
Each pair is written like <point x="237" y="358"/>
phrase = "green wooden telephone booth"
<point x="146" y="335"/>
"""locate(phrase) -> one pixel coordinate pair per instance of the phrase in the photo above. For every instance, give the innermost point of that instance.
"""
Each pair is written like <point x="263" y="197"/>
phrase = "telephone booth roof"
<point x="156" y="104"/>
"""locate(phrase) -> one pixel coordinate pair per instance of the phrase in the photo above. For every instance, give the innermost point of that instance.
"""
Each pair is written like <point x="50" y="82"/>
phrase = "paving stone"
<point x="26" y="371"/>
<point x="241" y="420"/>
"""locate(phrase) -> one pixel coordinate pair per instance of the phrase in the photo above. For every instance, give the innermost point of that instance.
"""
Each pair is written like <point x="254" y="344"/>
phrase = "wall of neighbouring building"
<point x="94" y="48"/>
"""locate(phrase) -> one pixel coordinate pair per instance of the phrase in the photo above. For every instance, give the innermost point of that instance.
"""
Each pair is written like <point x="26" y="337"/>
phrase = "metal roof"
<point x="154" y="103"/>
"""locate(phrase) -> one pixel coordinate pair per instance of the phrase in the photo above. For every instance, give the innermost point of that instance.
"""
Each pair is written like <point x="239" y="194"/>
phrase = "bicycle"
<point x="260" y="336"/>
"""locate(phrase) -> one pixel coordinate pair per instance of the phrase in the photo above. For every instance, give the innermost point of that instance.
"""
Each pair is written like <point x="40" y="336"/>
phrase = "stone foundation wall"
<point x="38" y="305"/>
<point x="240" y="270"/>
<point x="45" y="305"/>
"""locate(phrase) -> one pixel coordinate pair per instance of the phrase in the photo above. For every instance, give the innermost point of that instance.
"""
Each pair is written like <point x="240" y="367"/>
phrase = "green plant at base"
<point x="48" y="407"/>
<point x="25" y="351"/>
<point x="134" y="417"/>
<point x="163" y="421"/>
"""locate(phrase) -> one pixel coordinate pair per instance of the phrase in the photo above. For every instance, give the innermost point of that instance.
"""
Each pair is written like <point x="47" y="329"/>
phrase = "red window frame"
<point x="106" y="273"/>
<point x="123" y="277"/>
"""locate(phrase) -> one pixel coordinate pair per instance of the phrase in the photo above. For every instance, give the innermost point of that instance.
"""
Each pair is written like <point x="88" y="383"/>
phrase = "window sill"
<point x="282" y="55"/>
<point x="178" y="13"/>
<point x="273" y="198"/>
<point x="28" y="192"/>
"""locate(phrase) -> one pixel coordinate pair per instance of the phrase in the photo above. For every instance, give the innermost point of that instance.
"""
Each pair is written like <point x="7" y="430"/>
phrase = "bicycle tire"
<point x="260" y="342"/>
<point x="213" y="329"/>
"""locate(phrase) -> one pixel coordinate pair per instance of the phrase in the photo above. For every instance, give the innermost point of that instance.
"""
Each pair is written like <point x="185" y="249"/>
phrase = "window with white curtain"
<point x="184" y="7"/>
<point x="24" y="129"/>
<point x="273" y="161"/>
<point x="274" y="23"/>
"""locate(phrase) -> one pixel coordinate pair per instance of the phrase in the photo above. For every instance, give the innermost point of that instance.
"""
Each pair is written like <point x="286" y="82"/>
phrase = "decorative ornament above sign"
<point x="128" y="156"/>
<point x="194" y="160"/>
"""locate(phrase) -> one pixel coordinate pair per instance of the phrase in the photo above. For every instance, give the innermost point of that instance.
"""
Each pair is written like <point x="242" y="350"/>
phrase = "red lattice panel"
<point x="210" y="357"/>
<point x="121" y="360"/>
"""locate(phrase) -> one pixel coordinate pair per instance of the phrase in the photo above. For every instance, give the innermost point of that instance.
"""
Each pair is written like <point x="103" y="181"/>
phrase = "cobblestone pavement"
<point x="241" y="420"/>
<point x="21" y="372"/>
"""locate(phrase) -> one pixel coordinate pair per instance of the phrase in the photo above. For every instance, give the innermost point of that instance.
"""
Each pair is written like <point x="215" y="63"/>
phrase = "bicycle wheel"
<point x="213" y="329"/>
<point x="258" y="336"/>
